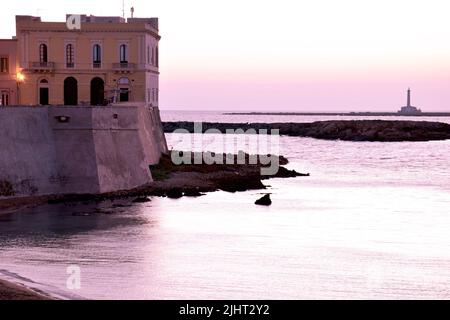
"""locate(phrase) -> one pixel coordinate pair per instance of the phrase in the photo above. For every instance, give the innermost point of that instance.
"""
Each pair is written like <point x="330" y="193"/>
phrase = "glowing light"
<point x="20" y="77"/>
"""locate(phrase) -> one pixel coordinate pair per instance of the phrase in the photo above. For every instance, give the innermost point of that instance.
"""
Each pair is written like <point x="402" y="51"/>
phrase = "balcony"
<point x="124" y="67"/>
<point x="42" y="66"/>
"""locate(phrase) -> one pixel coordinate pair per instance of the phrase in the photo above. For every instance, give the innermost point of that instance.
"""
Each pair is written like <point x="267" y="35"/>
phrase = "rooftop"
<point x="92" y="20"/>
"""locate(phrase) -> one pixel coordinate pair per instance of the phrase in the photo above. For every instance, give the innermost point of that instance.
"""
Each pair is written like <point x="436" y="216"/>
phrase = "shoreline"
<point x="14" y="291"/>
<point x="171" y="181"/>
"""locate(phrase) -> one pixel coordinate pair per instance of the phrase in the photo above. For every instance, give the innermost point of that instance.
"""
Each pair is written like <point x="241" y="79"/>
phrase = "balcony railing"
<point x="97" y="65"/>
<point x="123" y="66"/>
<point x="44" y="66"/>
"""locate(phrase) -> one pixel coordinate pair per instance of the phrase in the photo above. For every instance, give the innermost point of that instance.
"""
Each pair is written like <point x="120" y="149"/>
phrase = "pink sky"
<point x="287" y="55"/>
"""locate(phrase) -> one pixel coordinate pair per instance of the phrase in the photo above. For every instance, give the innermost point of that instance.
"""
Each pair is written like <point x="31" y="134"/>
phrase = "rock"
<point x="264" y="201"/>
<point x="141" y="200"/>
<point x="347" y="130"/>
<point x="120" y="205"/>
<point x="240" y="183"/>
<point x="193" y="193"/>
<point x="174" y="193"/>
<point x="82" y="214"/>
<point x="286" y="173"/>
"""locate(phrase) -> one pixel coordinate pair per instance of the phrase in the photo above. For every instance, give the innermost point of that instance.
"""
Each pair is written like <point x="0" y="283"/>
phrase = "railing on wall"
<point x="124" y="66"/>
<point x="42" y="65"/>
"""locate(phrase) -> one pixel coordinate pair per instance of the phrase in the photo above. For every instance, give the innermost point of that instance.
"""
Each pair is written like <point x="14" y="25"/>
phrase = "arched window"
<point x="123" y="53"/>
<point x="4" y="101"/>
<point x="69" y="56"/>
<point x="43" y="57"/>
<point x="97" y="56"/>
<point x="123" y="81"/>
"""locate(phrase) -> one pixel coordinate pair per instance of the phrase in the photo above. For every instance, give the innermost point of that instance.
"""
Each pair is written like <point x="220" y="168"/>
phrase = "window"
<point x="148" y="54"/>
<point x="124" y="89"/>
<point x="157" y="56"/>
<point x="97" y="56"/>
<point x="43" y="57"/>
<point x="4" y="98"/>
<point x="123" y="53"/>
<point x="153" y="56"/>
<point x="69" y="56"/>
<point x="4" y="65"/>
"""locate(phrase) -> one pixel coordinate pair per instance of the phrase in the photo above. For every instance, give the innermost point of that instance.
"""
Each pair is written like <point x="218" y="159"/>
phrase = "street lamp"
<point x="20" y="78"/>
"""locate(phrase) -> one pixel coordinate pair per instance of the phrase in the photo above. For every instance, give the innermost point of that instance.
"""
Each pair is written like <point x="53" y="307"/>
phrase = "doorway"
<point x="43" y="96"/>
<point x="70" y="91"/>
<point x="97" y="92"/>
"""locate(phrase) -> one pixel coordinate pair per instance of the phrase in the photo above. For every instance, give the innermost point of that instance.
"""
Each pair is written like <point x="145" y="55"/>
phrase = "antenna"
<point x="123" y="9"/>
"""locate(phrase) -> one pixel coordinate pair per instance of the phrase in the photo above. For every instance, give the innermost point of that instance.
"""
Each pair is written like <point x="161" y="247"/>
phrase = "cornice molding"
<point x="155" y="35"/>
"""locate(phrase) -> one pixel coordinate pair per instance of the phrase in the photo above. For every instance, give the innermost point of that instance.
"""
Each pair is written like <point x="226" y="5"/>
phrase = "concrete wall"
<point x="92" y="150"/>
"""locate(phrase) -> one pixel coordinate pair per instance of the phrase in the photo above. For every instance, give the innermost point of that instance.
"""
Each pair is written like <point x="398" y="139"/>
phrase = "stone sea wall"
<point x="69" y="150"/>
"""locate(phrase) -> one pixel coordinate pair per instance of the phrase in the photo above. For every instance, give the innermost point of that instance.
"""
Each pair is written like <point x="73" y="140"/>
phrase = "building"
<point x="55" y="139"/>
<point x="409" y="109"/>
<point x="8" y="70"/>
<point x="109" y="59"/>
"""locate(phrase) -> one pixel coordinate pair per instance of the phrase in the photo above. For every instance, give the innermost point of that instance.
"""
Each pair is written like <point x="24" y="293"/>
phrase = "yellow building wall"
<point x="143" y="77"/>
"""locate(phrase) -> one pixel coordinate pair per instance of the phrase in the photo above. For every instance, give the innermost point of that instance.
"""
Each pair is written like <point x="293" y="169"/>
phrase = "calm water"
<point x="372" y="221"/>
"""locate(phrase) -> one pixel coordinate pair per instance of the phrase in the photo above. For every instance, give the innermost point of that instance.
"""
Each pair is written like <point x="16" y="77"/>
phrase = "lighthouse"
<point x="409" y="109"/>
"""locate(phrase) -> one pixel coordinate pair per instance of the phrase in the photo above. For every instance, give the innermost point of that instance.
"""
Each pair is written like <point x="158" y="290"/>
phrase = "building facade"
<point x="106" y="60"/>
<point x="8" y="69"/>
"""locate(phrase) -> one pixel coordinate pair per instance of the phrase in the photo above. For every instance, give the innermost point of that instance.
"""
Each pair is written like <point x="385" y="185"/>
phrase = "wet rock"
<point x="193" y="193"/>
<point x="240" y="183"/>
<point x="264" y="201"/>
<point x="141" y="200"/>
<point x="286" y="173"/>
<point x="174" y="193"/>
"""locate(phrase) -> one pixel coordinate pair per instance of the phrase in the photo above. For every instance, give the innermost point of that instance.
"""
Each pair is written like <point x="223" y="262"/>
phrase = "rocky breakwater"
<point x="352" y="130"/>
<point x="195" y="179"/>
<point x="176" y="181"/>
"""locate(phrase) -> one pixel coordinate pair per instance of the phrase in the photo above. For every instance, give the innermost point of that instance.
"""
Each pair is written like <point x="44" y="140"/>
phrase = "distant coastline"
<point x="346" y="130"/>
<point x="343" y="114"/>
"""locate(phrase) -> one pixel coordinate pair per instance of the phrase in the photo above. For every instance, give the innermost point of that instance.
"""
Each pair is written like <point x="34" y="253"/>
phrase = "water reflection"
<point x="372" y="221"/>
<point x="53" y="222"/>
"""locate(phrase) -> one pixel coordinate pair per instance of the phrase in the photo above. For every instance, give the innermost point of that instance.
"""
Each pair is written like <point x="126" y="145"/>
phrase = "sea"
<point x="372" y="221"/>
